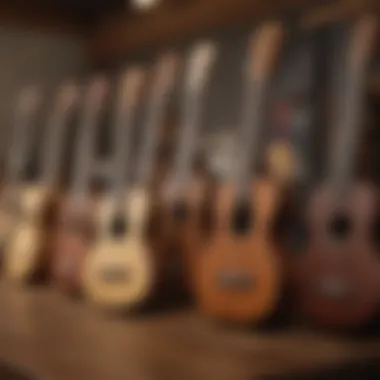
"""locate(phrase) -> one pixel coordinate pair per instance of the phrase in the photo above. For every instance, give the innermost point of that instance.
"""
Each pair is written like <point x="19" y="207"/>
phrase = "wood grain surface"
<point x="55" y="337"/>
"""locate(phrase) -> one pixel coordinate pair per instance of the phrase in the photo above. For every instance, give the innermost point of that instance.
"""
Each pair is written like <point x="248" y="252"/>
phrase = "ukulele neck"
<point x="348" y="129"/>
<point x="262" y="56"/>
<point x="155" y="118"/>
<point x="160" y="96"/>
<point x="188" y="139"/>
<point x="52" y="154"/>
<point x="253" y="114"/>
<point x="126" y="109"/>
<point x="24" y="125"/>
<point x="122" y="142"/>
<point x="85" y="147"/>
<point x="350" y="109"/>
<point x="200" y="63"/>
<point x="84" y="154"/>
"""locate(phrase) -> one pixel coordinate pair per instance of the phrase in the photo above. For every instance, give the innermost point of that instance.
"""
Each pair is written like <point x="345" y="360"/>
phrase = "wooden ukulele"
<point x="338" y="277"/>
<point x="179" y="233"/>
<point x="12" y="193"/>
<point x="106" y="272"/>
<point x="75" y="225"/>
<point x="26" y="251"/>
<point x="120" y="271"/>
<point x="238" y="276"/>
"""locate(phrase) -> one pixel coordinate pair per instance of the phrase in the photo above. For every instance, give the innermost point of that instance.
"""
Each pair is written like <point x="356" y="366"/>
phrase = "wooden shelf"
<point x="47" y="21"/>
<point x="55" y="337"/>
<point x="121" y="36"/>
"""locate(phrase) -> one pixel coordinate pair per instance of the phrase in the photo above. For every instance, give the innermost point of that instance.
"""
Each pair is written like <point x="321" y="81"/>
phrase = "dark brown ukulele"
<point x="75" y="226"/>
<point x="26" y="251"/>
<point x="339" y="273"/>
<point x="238" y="276"/>
<point x="179" y="234"/>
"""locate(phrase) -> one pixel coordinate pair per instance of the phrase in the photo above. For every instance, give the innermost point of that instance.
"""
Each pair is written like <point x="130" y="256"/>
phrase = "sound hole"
<point x="119" y="226"/>
<point x="340" y="226"/>
<point x="242" y="218"/>
<point x="376" y="231"/>
<point x="180" y="212"/>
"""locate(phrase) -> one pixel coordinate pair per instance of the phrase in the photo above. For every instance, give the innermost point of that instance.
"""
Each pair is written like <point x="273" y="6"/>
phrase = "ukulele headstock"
<point x="201" y="59"/>
<point x="131" y="84"/>
<point x="165" y="71"/>
<point x="68" y="94"/>
<point x="97" y="90"/>
<point x="265" y="43"/>
<point x="364" y="35"/>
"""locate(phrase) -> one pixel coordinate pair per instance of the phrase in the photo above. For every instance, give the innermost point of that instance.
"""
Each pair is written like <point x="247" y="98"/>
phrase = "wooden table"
<point x="59" y="338"/>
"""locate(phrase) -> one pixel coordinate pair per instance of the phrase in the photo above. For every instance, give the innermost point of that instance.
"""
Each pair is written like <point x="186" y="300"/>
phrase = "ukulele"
<point x="75" y="225"/>
<point x="238" y="276"/>
<point x="119" y="273"/>
<point x="338" y="276"/>
<point x="180" y="226"/>
<point x="26" y="248"/>
<point x="12" y="194"/>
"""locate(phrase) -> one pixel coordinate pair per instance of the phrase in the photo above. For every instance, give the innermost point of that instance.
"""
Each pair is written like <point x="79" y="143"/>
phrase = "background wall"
<point x="224" y="92"/>
<point x="32" y="57"/>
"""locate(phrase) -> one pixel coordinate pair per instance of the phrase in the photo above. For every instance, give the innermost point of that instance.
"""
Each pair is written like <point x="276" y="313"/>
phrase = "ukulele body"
<point x="146" y="261"/>
<point x="27" y="249"/>
<point x="197" y="227"/>
<point x="75" y="234"/>
<point x="179" y="238"/>
<point x="339" y="278"/>
<point x="119" y="272"/>
<point x="10" y="211"/>
<point x="238" y="277"/>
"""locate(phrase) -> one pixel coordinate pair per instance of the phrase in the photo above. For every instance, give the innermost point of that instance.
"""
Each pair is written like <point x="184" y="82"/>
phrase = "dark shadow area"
<point x="368" y="370"/>
<point x="10" y="372"/>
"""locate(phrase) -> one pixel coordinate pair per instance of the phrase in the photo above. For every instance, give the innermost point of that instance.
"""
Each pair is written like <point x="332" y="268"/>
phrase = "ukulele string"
<point x="53" y="147"/>
<point x="339" y="83"/>
<point x="85" y="148"/>
<point x="252" y="118"/>
<point x="153" y="123"/>
<point x="351" y="111"/>
<point x="188" y="138"/>
<point x="124" y="120"/>
<point x="25" y="124"/>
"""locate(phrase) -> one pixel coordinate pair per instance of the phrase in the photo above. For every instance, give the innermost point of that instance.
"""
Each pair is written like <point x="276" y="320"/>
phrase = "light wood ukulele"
<point x="26" y="251"/>
<point x="127" y="256"/>
<point x="75" y="225"/>
<point x="109" y="271"/>
<point x="12" y="194"/>
<point x="238" y="276"/>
